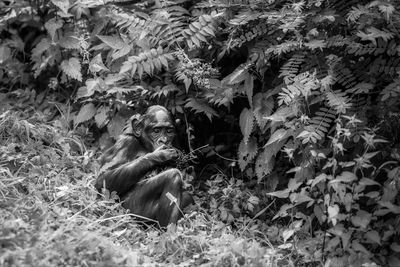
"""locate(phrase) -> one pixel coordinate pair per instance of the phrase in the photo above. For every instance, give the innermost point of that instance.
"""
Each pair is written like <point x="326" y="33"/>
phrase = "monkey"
<point x="139" y="168"/>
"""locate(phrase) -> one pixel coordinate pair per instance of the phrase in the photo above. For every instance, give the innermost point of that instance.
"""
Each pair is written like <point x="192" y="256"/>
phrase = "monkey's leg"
<point x="149" y="198"/>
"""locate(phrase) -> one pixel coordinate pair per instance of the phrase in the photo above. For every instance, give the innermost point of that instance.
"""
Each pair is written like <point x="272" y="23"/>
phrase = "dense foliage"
<point x="309" y="90"/>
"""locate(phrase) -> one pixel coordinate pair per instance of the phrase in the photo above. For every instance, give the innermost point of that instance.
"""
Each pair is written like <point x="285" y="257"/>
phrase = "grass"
<point x="51" y="214"/>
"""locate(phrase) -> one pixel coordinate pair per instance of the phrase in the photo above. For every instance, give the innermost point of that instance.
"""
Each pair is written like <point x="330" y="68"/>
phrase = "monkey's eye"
<point x="156" y="130"/>
<point x="170" y="131"/>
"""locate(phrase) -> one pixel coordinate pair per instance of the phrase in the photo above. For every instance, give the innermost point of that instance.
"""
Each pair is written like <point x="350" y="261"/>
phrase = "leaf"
<point x="122" y="52"/>
<point x="333" y="211"/>
<point x="96" y="64"/>
<point x="201" y="107"/>
<point x="362" y="219"/>
<point x="101" y="116"/>
<point x="248" y="86"/>
<point x="83" y="92"/>
<point x="281" y="114"/>
<point x="113" y="41"/>
<point x="393" y="208"/>
<point x="345" y="177"/>
<point x="116" y="126"/>
<point x="237" y="76"/>
<point x="70" y="42"/>
<point x="172" y="198"/>
<point x="277" y="136"/>
<point x="127" y="66"/>
<point x="52" y="26"/>
<point x="246" y="122"/>
<point x="72" y="68"/>
<point x="42" y="46"/>
<point x="85" y="113"/>
<point x="247" y="152"/>
<point x="280" y="194"/>
<point x="373" y="236"/>
<point x="358" y="247"/>
<point x="287" y="233"/>
<point x="5" y="53"/>
<point x="62" y="4"/>
<point x="262" y="107"/>
<point x="264" y="163"/>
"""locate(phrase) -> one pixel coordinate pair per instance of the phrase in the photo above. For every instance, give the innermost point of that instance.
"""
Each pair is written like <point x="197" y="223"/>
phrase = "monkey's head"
<point x="154" y="128"/>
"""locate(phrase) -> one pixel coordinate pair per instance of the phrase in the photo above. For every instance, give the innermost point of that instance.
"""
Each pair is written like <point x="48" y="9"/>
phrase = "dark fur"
<point x="130" y="168"/>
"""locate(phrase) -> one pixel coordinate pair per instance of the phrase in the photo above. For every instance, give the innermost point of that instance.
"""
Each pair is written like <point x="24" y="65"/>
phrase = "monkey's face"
<point x="158" y="130"/>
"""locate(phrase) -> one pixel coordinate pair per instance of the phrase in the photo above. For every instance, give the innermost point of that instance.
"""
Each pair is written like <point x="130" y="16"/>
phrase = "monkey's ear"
<point x="137" y="125"/>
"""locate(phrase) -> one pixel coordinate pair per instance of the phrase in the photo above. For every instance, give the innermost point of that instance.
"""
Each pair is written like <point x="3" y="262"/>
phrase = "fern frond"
<point x="199" y="106"/>
<point x="387" y="66"/>
<point x="338" y="101"/>
<point x="372" y="34"/>
<point x="391" y="91"/>
<point x="167" y="25"/>
<point x="380" y="47"/>
<point x="198" y="31"/>
<point x="344" y="77"/>
<point x="164" y="91"/>
<point x="290" y="69"/>
<point x="338" y="41"/>
<point x="302" y="85"/>
<point x="147" y="62"/>
<point x="318" y="126"/>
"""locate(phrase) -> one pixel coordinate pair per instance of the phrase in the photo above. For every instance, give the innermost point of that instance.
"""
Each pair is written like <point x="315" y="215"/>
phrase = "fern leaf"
<point x="338" y="100"/>
<point x="372" y="34"/>
<point x="201" y="107"/>
<point x="147" y="61"/>
<point x="318" y="126"/>
<point x="391" y="91"/>
<point x="361" y="88"/>
<point x="291" y="67"/>
<point x="198" y="31"/>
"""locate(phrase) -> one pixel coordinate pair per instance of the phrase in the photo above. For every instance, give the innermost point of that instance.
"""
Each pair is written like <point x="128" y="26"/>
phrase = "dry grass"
<point x="51" y="214"/>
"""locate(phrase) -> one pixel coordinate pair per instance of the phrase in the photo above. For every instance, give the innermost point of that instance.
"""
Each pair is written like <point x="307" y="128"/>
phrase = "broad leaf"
<point x="85" y="113"/>
<point x="246" y="122"/>
<point x="96" y="64"/>
<point x="248" y="86"/>
<point x="277" y="136"/>
<point x="362" y="219"/>
<point x="114" y="41"/>
<point x="52" y="26"/>
<point x="101" y="116"/>
<point x="72" y="68"/>
<point x="262" y="107"/>
<point x="62" y="4"/>
<point x="247" y="152"/>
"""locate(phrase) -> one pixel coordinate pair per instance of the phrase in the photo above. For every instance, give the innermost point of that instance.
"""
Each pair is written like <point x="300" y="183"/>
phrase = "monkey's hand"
<point x="165" y="155"/>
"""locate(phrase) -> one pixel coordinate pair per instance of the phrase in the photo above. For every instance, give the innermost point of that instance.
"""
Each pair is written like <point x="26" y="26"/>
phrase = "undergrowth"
<point x="52" y="215"/>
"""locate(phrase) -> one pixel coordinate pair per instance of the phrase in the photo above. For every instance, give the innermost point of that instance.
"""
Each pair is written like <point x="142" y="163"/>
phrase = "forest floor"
<point x="51" y="214"/>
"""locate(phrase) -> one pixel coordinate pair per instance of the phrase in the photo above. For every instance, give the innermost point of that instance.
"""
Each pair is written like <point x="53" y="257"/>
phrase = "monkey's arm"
<point x="122" y="178"/>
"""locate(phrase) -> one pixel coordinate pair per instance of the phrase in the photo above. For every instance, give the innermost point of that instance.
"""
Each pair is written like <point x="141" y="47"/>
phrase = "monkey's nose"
<point x="162" y="141"/>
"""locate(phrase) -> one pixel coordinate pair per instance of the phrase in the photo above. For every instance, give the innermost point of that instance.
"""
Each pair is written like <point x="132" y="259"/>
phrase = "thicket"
<point x="310" y="91"/>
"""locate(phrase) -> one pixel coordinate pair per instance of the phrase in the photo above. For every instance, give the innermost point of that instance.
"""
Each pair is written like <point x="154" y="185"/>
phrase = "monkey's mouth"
<point x="163" y="146"/>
